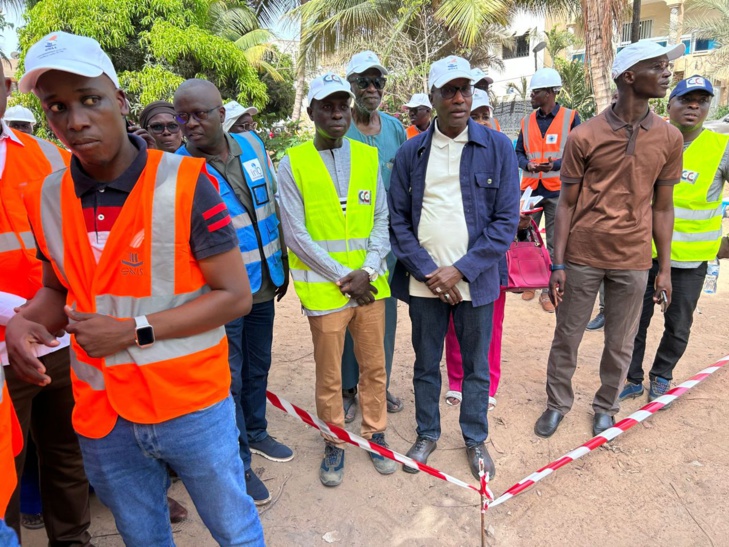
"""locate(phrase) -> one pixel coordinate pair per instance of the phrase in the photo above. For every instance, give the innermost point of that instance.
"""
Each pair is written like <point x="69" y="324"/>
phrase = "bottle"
<point x="712" y="277"/>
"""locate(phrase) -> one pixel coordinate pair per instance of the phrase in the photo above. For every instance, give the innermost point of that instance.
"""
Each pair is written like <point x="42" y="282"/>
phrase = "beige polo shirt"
<point x="442" y="230"/>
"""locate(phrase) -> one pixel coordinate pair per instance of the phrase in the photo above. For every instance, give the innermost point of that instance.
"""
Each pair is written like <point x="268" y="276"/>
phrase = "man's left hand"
<point x="100" y="335"/>
<point x="443" y="279"/>
<point x="663" y="283"/>
<point x="281" y="291"/>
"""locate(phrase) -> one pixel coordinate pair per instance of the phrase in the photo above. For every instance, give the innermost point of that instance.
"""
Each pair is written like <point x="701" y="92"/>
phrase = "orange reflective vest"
<point x="146" y="267"/>
<point x="11" y="441"/>
<point x="496" y="124"/>
<point x="412" y="131"/>
<point x="540" y="149"/>
<point x="35" y="159"/>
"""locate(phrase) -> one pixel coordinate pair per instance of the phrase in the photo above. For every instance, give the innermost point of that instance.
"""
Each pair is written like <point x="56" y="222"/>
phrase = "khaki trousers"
<point x="623" y="303"/>
<point x="367" y="327"/>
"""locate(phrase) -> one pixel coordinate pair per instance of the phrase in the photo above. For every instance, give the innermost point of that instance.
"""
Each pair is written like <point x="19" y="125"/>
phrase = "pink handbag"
<point x="528" y="262"/>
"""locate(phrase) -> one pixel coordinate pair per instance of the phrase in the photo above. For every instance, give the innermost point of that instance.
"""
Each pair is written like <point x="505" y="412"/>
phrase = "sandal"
<point x="453" y="398"/>
<point x="32" y="521"/>
<point x="393" y="403"/>
<point x="492" y="403"/>
<point x="349" y="399"/>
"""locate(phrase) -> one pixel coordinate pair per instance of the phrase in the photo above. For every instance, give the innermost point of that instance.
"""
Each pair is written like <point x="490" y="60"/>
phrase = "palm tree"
<point x="710" y="19"/>
<point x="520" y="90"/>
<point x="557" y="40"/>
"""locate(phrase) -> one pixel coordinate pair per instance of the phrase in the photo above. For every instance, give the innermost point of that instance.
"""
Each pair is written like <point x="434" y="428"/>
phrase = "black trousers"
<point x="45" y="413"/>
<point x="687" y="284"/>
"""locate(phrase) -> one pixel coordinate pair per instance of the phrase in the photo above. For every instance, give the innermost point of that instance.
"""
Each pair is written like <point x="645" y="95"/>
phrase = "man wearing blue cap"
<point x="696" y="235"/>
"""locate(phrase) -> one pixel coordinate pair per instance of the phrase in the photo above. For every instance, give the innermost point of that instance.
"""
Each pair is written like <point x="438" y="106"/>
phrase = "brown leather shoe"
<point x="527" y="295"/>
<point x="546" y="302"/>
<point x="177" y="512"/>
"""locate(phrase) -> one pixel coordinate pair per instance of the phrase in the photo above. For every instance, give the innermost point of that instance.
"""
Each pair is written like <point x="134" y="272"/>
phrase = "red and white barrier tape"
<point x="608" y="435"/>
<point x="351" y="438"/>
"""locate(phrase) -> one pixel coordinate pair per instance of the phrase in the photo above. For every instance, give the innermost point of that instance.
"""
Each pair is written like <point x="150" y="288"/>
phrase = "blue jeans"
<point x="249" y="355"/>
<point x="127" y="469"/>
<point x="7" y="535"/>
<point x="350" y="367"/>
<point x="430" y="318"/>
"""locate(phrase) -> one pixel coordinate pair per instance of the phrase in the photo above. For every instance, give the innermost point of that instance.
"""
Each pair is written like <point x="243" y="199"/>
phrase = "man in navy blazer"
<point x="454" y="210"/>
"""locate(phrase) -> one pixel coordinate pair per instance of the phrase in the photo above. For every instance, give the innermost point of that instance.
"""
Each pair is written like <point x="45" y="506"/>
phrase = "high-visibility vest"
<point x="496" y="124"/>
<point x="343" y="236"/>
<point x="412" y="131"/>
<point x="257" y="236"/>
<point x="540" y="149"/>
<point x="20" y="269"/>
<point x="697" y="216"/>
<point x="147" y="266"/>
<point x="11" y="442"/>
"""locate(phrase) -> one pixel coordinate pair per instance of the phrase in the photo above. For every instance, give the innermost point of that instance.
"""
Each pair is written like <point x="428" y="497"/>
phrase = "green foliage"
<point x="31" y="102"/>
<point x="576" y="91"/>
<point x="557" y="40"/>
<point x="281" y="93"/>
<point x="154" y="44"/>
<point x="659" y="106"/>
<point x="720" y="112"/>
<point x="284" y="138"/>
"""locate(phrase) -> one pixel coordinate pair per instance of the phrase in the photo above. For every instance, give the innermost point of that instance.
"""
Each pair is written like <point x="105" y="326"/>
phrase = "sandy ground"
<point x="663" y="482"/>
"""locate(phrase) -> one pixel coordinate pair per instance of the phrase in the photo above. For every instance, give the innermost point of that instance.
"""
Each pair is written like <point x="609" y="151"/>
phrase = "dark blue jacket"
<point x="490" y="191"/>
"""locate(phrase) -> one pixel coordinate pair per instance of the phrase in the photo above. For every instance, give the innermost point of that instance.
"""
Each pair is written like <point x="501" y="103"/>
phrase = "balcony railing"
<point x="694" y="45"/>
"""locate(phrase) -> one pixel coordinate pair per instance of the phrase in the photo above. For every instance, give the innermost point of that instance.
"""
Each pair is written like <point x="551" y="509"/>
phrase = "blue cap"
<point x="694" y="83"/>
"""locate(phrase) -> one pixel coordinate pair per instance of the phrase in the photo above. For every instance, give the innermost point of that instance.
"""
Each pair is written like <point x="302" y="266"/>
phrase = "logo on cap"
<point x="695" y="81"/>
<point x="51" y="43"/>
<point x="452" y="63"/>
<point x="332" y="78"/>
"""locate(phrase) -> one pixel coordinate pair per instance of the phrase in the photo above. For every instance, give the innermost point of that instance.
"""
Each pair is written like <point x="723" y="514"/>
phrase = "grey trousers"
<point x="624" y="298"/>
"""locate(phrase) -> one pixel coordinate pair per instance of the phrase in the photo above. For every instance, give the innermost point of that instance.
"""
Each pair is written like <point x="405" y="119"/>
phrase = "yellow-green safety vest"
<point x="697" y="224"/>
<point x="343" y="236"/>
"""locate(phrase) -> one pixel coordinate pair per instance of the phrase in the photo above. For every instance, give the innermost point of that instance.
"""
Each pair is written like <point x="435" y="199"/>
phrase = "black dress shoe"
<point x="601" y="422"/>
<point x="548" y="423"/>
<point x="474" y="453"/>
<point x="419" y="452"/>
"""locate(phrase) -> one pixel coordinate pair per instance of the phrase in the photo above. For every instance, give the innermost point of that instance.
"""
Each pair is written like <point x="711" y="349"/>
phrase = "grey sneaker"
<point x="598" y="323"/>
<point x="383" y="465"/>
<point x="331" y="472"/>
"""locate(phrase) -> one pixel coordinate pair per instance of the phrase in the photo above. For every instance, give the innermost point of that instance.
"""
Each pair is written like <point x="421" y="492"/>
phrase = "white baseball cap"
<point x="448" y="69"/>
<point x="641" y="51"/>
<point x="477" y="74"/>
<point x="233" y="111"/>
<point x="326" y="85"/>
<point x="67" y="53"/>
<point x="419" y="99"/>
<point x="360" y="62"/>
<point x="480" y="98"/>
<point x="19" y="113"/>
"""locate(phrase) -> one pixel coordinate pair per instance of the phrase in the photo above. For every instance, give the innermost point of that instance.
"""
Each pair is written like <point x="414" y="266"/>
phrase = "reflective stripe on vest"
<point x="539" y="150"/>
<point x="10" y="241"/>
<point x="343" y="236"/>
<point x="260" y="233"/>
<point x="697" y="216"/>
<point x="52" y="154"/>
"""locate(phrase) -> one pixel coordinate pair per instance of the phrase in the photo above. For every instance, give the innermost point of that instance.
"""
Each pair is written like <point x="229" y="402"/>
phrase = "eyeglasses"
<point x="200" y="115"/>
<point x="159" y="128"/>
<point x="449" y="91"/>
<point x="248" y="126"/>
<point x="363" y="82"/>
<point x="688" y="99"/>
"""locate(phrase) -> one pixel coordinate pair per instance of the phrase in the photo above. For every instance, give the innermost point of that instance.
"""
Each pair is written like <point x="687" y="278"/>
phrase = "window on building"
<point x="704" y="44"/>
<point x="646" y="30"/>
<point x="520" y="48"/>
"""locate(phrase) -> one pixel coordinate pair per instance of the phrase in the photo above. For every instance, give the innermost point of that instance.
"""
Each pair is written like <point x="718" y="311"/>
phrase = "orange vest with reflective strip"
<point x="540" y="149"/>
<point x="35" y="159"/>
<point x="412" y="131"/>
<point x="147" y="266"/>
<point x="497" y="125"/>
<point x="11" y="441"/>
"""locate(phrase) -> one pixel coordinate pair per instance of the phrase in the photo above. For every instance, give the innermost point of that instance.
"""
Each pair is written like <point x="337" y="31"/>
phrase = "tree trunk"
<point x="635" y="26"/>
<point x="599" y="18"/>
<point x="300" y="76"/>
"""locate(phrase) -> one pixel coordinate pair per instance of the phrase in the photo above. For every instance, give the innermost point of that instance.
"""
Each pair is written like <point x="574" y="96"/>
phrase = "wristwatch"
<point x="555" y="267"/>
<point x="371" y="272"/>
<point x="144" y="332"/>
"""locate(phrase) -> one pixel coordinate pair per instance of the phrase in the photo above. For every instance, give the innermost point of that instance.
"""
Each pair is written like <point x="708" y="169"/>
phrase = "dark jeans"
<point x="430" y="318"/>
<point x="350" y="367"/>
<point x="45" y="413"/>
<point x="687" y="284"/>
<point x="249" y="356"/>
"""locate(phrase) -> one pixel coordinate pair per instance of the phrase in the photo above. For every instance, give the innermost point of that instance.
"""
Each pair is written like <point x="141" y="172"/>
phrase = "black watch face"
<point x="145" y="336"/>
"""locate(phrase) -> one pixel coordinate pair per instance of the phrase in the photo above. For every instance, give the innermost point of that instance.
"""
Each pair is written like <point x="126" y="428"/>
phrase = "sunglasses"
<point x="200" y="115"/>
<point x="449" y="91"/>
<point x="363" y="82"/>
<point x="159" y="128"/>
